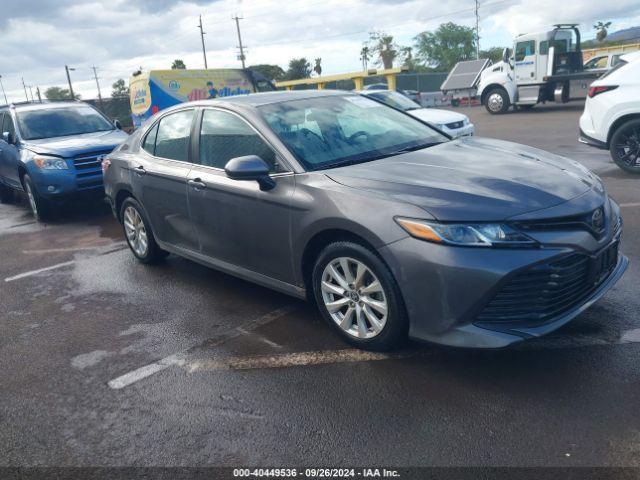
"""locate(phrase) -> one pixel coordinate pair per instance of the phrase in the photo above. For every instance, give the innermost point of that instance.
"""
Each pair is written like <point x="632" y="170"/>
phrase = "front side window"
<point x="61" y="122"/>
<point x="149" y="144"/>
<point x="172" y="138"/>
<point x="350" y="129"/>
<point x="525" y="49"/>
<point x="224" y="136"/>
<point x="597" y="62"/>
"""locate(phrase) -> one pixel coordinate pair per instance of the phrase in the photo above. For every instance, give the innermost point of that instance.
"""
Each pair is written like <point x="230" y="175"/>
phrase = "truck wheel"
<point x="6" y="194"/>
<point x="40" y="208"/>
<point x="625" y="146"/>
<point x="497" y="101"/>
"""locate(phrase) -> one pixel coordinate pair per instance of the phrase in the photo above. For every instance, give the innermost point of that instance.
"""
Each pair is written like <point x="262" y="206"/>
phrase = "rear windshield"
<point x="61" y="122"/>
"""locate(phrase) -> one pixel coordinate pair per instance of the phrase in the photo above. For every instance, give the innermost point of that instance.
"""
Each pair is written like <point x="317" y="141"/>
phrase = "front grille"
<point x="545" y="291"/>
<point x="582" y="221"/>
<point x="455" y="125"/>
<point x="89" y="171"/>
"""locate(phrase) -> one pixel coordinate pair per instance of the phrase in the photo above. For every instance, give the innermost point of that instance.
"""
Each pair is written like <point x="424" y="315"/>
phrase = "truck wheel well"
<point x="317" y="243"/>
<point x="617" y="123"/>
<point x="490" y="88"/>
<point x="120" y="198"/>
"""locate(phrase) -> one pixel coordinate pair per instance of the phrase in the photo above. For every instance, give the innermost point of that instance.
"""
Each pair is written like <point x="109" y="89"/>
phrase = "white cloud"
<point x="39" y="37"/>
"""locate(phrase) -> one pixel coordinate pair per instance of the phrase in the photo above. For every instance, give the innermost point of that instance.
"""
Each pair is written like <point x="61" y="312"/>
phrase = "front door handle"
<point x="197" y="184"/>
<point x="140" y="170"/>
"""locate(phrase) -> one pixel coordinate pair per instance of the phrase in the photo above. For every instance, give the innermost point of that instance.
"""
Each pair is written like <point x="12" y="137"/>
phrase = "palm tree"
<point x="365" y="55"/>
<point x="385" y="48"/>
<point x="601" y="27"/>
<point x="318" y="67"/>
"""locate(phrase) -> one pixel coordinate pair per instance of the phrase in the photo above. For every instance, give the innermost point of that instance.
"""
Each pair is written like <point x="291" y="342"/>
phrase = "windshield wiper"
<point x="415" y="147"/>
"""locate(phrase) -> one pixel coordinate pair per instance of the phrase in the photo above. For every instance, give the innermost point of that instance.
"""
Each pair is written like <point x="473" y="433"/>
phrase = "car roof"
<point x="45" y="105"/>
<point x="631" y="57"/>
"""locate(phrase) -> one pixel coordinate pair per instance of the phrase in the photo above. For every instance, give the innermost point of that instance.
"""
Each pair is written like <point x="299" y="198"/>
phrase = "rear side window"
<point x="224" y="136"/>
<point x="173" y="135"/>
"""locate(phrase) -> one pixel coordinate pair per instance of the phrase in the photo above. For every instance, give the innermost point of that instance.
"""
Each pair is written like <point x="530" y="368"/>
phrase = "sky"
<point x="39" y="37"/>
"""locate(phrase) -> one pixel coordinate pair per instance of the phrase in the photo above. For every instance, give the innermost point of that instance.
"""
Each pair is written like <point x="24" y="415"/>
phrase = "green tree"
<point x="271" y="72"/>
<point x="384" y="48"/>
<point x="445" y="47"/>
<point x="178" y="65"/>
<point x="494" y="54"/>
<point x="298" y="68"/>
<point x="602" y="31"/>
<point x="318" y="66"/>
<point x="57" y="93"/>
<point x="120" y="89"/>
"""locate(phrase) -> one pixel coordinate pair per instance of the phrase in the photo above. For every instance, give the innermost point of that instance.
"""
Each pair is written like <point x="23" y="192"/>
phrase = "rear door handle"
<point x="140" y="170"/>
<point x="197" y="184"/>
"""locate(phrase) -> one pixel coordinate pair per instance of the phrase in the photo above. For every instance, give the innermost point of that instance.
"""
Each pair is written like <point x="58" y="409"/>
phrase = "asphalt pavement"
<point x="104" y="361"/>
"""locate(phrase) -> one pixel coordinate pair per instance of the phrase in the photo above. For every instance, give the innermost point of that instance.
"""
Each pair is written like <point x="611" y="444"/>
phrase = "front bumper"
<point x="445" y="288"/>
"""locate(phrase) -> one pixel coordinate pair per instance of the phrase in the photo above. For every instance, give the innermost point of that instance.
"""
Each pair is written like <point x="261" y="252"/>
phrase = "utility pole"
<point x="38" y="93"/>
<point x="242" y="57"/>
<point x="25" y="89"/>
<point x="204" y="52"/>
<point x="3" y="92"/>
<point x="31" y="91"/>
<point x="67" y="68"/>
<point x="95" y="74"/>
<point x="477" y="31"/>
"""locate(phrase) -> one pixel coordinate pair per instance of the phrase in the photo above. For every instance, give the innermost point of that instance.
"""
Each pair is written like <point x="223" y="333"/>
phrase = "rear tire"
<point x="6" y="194"/>
<point x="137" y="231"/>
<point x="497" y="101"/>
<point x="42" y="210"/>
<point x="357" y="294"/>
<point x="625" y="146"/>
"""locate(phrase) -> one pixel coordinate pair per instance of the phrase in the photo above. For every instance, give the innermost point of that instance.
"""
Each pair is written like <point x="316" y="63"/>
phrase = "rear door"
<point x="159" y="178"/>
<point x="236" y="221"/>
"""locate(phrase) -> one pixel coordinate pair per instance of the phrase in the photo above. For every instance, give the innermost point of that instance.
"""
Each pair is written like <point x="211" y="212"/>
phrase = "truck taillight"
<point x="106" y="163"/>
<point x="593" y="91"/>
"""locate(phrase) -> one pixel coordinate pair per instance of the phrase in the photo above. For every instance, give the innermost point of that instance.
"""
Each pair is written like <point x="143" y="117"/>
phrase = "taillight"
<point x="106" y="163"/>
<point x="593" y="91"/>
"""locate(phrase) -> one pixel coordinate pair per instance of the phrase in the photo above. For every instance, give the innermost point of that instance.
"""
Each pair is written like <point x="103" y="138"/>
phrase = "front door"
<point x="525" y="62"/>
<point x="160" y="179"/>
<point x="9" y="153"/>
<point x="236" y="221"/>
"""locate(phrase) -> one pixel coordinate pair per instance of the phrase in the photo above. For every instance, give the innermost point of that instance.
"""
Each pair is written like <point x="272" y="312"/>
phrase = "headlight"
<point x="465" y="122"/>
<point x="441" y="126"/>
<point x="473" y="235"/>
<point x="46" y="162"/>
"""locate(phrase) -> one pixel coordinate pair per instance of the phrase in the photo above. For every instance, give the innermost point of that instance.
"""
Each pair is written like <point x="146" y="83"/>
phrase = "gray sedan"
<point x="390" y="227"/>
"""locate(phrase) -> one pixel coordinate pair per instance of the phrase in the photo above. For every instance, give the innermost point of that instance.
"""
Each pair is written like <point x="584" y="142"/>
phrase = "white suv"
<point x="611" y="118"/>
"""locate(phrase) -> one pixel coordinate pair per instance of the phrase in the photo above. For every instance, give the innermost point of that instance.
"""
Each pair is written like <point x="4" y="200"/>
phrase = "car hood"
<point x="77" y="144"/>
<point x="436" y="115"/>
<point x="473" y="179"/>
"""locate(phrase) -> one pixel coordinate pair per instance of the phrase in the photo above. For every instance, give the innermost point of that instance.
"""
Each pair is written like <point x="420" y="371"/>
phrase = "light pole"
<point x="67" y="68"/>
<point x="3" y="92"/>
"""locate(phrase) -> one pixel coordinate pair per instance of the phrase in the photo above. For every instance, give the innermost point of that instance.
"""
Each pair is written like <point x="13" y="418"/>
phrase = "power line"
<point x="242" y="57"/>
<point x="204" y="52"/>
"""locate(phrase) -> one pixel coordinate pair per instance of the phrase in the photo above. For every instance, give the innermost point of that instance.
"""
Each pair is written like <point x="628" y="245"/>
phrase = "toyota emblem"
<point x="597" y="219"/>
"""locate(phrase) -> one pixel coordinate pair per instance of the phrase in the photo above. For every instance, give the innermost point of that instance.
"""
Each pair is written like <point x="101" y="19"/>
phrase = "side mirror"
<point x="117" y="124"/>
<point x="250" y="167"/>
<point x="7" y="137"/>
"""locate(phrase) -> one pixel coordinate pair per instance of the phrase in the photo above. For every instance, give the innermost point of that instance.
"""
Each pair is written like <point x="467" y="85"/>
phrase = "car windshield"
<point x="395" y="100"/>
<point x="61" y="122"/>
<point x="334" y="131"/>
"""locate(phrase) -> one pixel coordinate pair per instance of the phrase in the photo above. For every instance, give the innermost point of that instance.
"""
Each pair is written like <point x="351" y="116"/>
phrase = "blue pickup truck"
<point x="53" y="151"/>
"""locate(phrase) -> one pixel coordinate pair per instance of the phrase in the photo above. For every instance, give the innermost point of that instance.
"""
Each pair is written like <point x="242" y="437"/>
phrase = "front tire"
<point x="41" y="209"/>
<point x="137" y="231"/>
<point x="357" y="294"/>
<point x="497" y="101"/>
<point x="625" y="146"/>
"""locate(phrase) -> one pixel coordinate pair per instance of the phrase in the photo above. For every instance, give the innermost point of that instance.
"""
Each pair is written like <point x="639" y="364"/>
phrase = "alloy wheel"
<point x="135" y="231"/>
<point x="628" y="147"/>
<point x="354" y="297"/>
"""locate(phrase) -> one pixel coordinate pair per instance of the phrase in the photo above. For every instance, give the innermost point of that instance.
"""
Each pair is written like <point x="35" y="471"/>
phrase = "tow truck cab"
<point x="544" y="66"/>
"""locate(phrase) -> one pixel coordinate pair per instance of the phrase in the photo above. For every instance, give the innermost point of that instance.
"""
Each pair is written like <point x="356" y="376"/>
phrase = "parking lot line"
<point x="38" y="271"/>
<point x="178" y="359"/>
<point x="626" y="205"/>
